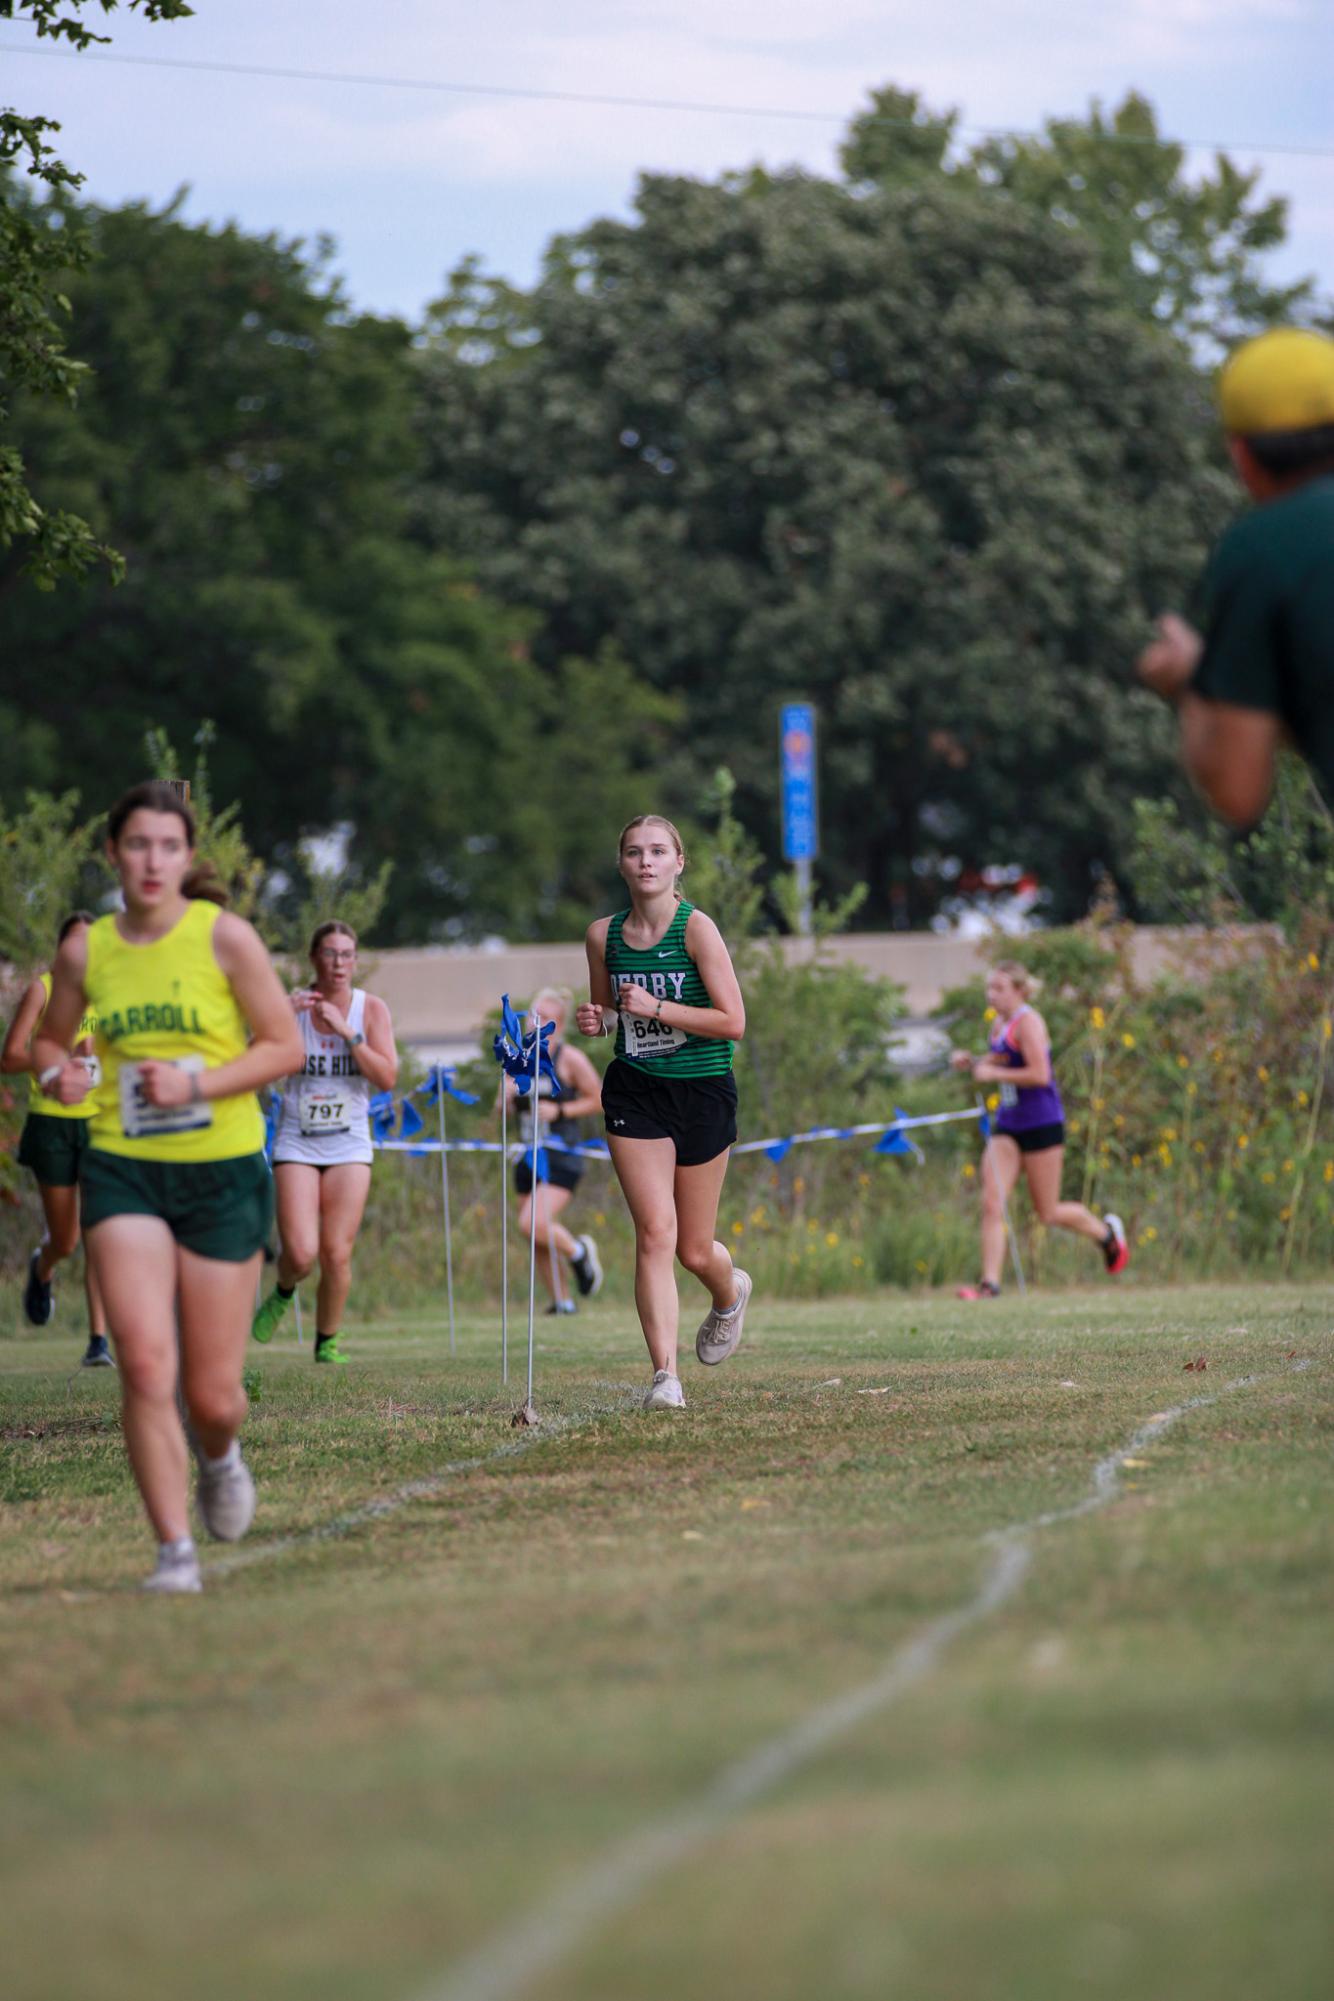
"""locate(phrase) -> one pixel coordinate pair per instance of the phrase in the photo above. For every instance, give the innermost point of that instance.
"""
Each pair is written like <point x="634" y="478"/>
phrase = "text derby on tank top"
<point x="325" y="1117"/>
<point x="1023" y="1106"/>
<point x="667" y="971"/>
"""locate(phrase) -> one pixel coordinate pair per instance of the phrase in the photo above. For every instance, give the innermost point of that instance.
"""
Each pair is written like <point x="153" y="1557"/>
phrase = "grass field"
<point x="363" y="1761"/>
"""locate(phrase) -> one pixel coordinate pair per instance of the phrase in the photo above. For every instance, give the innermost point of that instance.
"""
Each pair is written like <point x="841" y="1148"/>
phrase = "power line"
<point x="606" y="101"/>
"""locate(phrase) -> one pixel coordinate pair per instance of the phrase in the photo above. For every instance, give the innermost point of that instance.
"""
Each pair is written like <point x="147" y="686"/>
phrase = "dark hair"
<point x="331" y="928"/>
<point x="1284" y="452"/>
<point x="156" y="795"/>
<point x="75" y="917"/>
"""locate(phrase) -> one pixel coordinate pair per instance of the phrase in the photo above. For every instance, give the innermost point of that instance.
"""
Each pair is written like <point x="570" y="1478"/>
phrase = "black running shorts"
<point x="1036" y="1139"/>
<point x="698" y="1114"/>
<point x="562" y="1171"/>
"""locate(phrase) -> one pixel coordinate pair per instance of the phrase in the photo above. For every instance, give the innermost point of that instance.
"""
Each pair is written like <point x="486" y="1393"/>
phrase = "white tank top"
<point x="325" y="1120"/>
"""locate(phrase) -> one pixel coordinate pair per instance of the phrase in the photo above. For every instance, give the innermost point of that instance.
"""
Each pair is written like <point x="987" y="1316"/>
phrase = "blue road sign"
<point x="801" y="832"/>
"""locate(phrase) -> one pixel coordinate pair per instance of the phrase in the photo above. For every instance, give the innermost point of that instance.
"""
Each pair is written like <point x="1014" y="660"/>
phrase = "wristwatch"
<point x="355" y="1041"/>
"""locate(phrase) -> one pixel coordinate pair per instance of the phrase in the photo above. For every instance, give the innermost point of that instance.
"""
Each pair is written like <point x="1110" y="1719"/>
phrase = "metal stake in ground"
<point x="526" y="1413"/>
<point x="988" y="1160"/>
<point x="444" y="1192"/>
<point x="504" y="1240"/>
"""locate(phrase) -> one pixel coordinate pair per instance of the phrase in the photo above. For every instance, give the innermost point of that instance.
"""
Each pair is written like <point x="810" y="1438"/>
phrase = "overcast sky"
<point x="409" y="181"/>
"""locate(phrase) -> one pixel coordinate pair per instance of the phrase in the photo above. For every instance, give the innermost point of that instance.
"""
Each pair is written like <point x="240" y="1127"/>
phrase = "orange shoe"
<point x="1115" y="1249"/>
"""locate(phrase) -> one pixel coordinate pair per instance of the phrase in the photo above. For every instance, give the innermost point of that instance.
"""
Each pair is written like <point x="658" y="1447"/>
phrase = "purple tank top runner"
<point x="1022" y="1106"/>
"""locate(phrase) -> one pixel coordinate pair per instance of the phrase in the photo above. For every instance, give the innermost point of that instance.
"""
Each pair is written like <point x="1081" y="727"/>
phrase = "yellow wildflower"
<point x="1263" y="1073"/>
<point x="988" y="1014"/>
<point x="1302" y="1098"/>
<point x="1287" y="1167"/>
<point x="738" y="1229"/>
<point x="993" y="1099"/>
<point x="857" y="1264"/>
<point x="968" y="1170"/>
<point x="1127" y="1042"/>
<point x="1148" y="1236"/>
<point x="1269" y="1175"/>
<point x="831" y="1239"/>
<point x="1329" y="1170"/>
<point x="1097" y="1019"/>
<point x="1313" y="962"/>
<point x="1243" y="1141"/>
<point x="1136" y="1160"/>
<point x="1183" y="1062"/>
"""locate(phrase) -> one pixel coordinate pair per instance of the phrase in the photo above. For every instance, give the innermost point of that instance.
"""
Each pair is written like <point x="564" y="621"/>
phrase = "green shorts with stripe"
<point x="216" y="1208"/>
<point x="53" y="1148"/>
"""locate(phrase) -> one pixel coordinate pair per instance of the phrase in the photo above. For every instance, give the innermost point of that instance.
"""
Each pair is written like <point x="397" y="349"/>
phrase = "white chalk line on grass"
<point x="381" y="1505"/>
<point x="508" y="1962"/>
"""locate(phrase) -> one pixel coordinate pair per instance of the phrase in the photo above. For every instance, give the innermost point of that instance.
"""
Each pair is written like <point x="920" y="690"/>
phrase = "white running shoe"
<point x="587" y="1267"/>
<point x="226" y="1495"/>
<point x="177" y="1569"/>
<point x="665" y="1393"/>
<point x="720" y="1333"/>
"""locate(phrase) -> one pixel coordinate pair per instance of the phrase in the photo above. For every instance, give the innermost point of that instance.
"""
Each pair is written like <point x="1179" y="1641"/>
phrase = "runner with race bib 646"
<point x="669" y="1097"/>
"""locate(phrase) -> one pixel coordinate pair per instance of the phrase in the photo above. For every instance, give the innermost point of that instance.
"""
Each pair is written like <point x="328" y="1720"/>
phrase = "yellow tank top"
<point x="51" y="1108"/>
<point x="170" y="1001"/>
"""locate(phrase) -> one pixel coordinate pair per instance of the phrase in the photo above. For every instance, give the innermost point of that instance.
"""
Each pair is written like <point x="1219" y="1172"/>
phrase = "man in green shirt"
<point x="1262" y="670"/>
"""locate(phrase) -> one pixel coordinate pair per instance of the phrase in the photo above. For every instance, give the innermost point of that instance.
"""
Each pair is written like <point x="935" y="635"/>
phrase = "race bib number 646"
<point x="646" y="1035"/>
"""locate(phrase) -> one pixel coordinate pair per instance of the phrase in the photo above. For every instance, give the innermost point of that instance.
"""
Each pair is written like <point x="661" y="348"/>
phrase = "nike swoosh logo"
<point x="664" y="955"/>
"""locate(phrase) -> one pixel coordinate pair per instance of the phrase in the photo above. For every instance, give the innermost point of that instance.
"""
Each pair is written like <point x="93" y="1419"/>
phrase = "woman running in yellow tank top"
<point x="51" y="1146"/>
<point x="177" y="1196"/>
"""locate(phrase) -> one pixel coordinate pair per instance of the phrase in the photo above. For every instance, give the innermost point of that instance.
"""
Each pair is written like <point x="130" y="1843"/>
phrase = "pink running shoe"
<point x="984" y="1289"/>
<point x="1115" y="1249"/>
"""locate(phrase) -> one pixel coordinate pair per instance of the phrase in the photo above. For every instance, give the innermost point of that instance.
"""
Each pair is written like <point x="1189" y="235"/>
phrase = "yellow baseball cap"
<point x="1280" y="381"/>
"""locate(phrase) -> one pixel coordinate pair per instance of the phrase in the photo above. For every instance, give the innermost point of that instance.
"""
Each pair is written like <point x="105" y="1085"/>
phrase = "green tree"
<point x="1186" y="251"/>
<point x="39" y="246"/>
<point x="912" y="456"/>
<point x="248" y="441"/>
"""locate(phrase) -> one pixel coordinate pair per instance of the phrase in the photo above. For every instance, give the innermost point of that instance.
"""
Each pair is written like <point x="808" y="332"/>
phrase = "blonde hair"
<point x="563" y="997"/>
<point x="1025" y="984"/>
<point x="654" y="820"/>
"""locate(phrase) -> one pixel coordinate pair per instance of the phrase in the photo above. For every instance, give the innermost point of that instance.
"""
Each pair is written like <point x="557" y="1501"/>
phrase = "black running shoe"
<point x="586" y="1266"/>
<point x="98" y="1353"/>
<point x="38" y="1300"/>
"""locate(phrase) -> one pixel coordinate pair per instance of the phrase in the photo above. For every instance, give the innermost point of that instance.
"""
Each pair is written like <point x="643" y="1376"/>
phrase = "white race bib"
<point x="140" y="1120"/>
<point x="323" y="1107"/>
<point x="648" y="1035"/>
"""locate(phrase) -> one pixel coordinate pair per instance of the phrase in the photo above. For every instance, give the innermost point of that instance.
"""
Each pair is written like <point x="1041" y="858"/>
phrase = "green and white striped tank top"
<point x="669" y="973"/>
